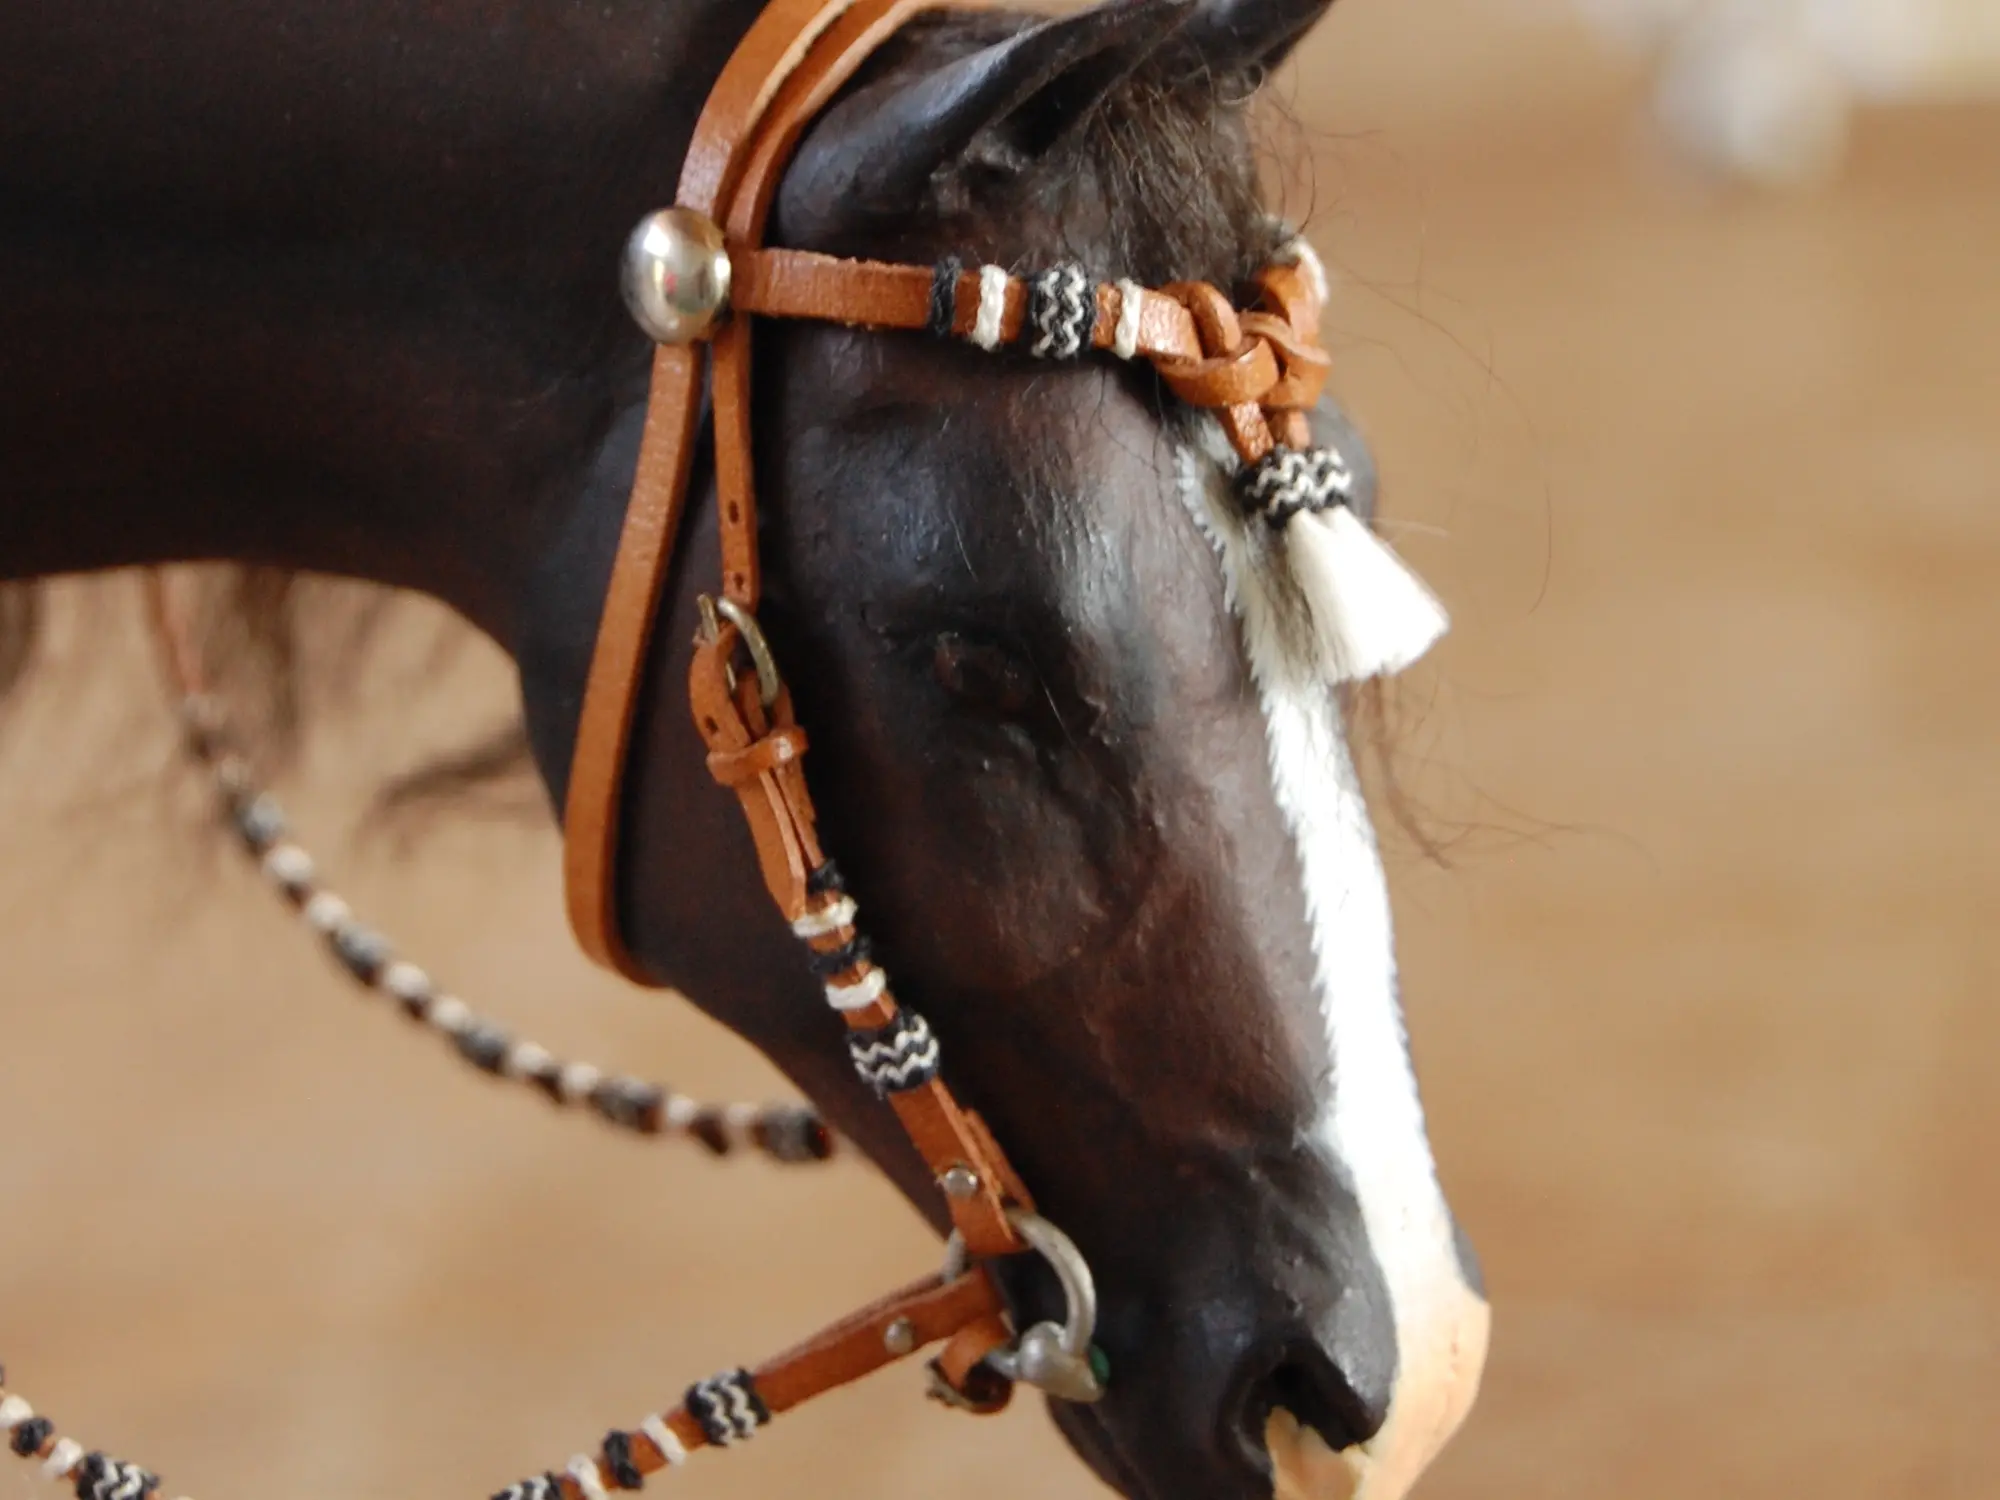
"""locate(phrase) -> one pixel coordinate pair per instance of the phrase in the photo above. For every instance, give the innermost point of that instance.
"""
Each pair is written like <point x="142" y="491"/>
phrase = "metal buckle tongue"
<point x="1059" y="1359"/>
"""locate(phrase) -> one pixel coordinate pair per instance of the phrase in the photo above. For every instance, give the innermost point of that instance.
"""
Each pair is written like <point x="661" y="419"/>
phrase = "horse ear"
<point x="1247" y="36"/>
<point x="872" y="157"/>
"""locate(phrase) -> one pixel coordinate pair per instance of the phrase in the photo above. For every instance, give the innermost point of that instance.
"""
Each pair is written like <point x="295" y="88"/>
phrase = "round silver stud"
<point x="959" y="1181"/>
<point x="676" y="276"/>
<point x="900" y="1337"/>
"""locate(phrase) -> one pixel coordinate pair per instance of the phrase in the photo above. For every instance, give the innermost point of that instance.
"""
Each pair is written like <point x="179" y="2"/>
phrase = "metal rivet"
<point x="959" y="1181"/>
<point x="900" y="1337"/>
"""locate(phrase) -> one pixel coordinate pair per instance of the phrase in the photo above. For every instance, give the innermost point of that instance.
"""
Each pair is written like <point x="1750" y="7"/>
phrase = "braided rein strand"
<point x="96" y="1475"/>
<point x="786" y="1133"/>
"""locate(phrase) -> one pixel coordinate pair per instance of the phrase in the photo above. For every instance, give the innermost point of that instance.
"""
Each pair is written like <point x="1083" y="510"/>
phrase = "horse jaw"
<point x="1372" y="1120"/>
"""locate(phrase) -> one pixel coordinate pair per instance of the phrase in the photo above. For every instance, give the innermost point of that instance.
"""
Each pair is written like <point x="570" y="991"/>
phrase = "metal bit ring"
<point x="1057" y="1359"/>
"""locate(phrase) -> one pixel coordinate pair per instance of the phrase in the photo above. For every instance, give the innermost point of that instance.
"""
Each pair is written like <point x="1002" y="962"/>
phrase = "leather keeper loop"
<point x="1286" y="292"/>
<point x="781" y="747"/>
<point x="976" y="1387"/>
<point x="1302" y="368"/>
<point x="1215" y="322"/>
<point x="1240" y="379"/>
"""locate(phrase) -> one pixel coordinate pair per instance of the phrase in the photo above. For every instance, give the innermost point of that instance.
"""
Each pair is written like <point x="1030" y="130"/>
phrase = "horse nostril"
<point x="1306" y="1382"/>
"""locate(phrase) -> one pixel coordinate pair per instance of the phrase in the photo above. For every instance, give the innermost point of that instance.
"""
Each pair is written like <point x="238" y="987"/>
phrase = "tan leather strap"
<point x="746" y="135"/>
<point x="1260" y="370"/>
<point x="759" y="754"/>
<point x="968" y="1311"/>
<point x="1253" y="366"/>
<point x="774" y="47"/>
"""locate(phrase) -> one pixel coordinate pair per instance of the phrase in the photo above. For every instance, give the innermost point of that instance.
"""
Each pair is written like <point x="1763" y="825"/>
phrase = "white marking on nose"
<point x="1372" y="1120"/>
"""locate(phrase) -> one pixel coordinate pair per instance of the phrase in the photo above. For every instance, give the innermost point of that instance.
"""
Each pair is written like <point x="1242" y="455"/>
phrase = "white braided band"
<point x="864" y="991"/>
<point x="992" y="303"/>
<point x="662" y="1436"/>
<point x="828" y="919"/>
<point x="1125" y="338"/>
<point x="583" y="1470"/>
<point x="576" y="1081"/>
<point x="326" y="911"/>
<point x="62" y="1458"/>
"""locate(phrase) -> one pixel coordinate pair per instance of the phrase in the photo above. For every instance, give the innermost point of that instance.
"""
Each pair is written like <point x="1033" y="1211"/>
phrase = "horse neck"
<point x="328" y="287"/>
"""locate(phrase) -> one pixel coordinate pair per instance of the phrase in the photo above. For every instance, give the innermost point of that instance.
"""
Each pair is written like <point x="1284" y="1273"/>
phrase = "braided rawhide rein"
<point x="97" y="1476"/>
<point x="727" y="1407"/>
<point x="787" y="1133"/>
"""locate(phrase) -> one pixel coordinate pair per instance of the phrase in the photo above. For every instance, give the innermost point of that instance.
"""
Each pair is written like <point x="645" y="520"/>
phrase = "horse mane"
<point x="1162" y="181"/>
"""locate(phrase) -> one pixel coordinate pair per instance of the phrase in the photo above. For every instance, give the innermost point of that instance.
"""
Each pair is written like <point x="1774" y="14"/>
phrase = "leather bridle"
<point x="1259" y="371"/>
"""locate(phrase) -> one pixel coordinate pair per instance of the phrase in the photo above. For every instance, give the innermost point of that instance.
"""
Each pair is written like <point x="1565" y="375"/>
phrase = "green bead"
<point x="1100" y="1365"/>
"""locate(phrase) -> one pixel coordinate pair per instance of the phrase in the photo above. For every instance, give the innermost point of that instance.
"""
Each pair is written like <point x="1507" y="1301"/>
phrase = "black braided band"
<point x="895" y="1058"/>
<point x="728" y="1407"/>
<point x="1286" y="481"/>
<point x="102" y="1477"/>
<point x="825" y="880"/>
<point x="1062" y="311"/>
<point x="541" y="1487"/>
<point x="792" y="1135"/>
<point x="841" y="959"/>
<point x="618" y="1459"/>
<point x="944" y="299"/>
<point x="631" y="1103"/>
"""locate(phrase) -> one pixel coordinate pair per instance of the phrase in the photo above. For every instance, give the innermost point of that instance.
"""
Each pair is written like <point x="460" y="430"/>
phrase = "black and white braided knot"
<point x="541" y="1487"/>
<point x="728" y="1407"/>
<point x="102" y="1477"/>
<point x="900" y="1056"/>
<point x="1286" y="481"/>
<point x="1062" y="310"/>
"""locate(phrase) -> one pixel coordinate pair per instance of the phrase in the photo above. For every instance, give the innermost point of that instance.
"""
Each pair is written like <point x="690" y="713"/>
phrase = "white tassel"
<point x="1371" y="613"/>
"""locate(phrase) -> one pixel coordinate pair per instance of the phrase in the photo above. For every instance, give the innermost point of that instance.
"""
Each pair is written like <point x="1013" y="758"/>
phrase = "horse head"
<point x="1079" y="757"/>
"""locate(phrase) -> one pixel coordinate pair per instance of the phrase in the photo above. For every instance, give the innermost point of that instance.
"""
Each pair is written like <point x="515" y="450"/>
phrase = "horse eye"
<point x="981" y="673"/>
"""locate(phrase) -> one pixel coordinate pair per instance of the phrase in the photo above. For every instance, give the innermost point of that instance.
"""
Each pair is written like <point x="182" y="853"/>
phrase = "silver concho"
<point x="676" y="276"/>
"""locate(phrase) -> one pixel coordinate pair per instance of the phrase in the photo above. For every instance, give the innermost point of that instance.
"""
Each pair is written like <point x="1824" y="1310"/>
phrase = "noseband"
<point x="694" y="276"/>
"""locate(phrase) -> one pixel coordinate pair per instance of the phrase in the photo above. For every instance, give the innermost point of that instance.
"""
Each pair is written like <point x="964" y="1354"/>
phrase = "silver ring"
<point x="1059" y="1360"/>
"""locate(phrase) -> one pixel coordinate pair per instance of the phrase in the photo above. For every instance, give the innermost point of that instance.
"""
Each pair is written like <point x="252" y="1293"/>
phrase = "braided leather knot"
<point x="1268" y="359"/>
<point x="1233" y="370"/>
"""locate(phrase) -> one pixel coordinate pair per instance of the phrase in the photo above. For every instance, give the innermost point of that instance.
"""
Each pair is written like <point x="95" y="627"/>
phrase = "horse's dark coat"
<point x="333" y="287"/>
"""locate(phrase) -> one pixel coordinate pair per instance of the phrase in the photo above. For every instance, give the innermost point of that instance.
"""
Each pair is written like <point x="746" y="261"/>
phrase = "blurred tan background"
<point x="1706" y="1009"/>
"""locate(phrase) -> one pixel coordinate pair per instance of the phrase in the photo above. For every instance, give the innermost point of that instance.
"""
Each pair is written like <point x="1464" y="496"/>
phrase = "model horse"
<point x="331" y="288"/>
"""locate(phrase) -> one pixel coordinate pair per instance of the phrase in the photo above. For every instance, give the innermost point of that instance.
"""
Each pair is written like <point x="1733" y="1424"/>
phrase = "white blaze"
<point x="1372" y="1120"/>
